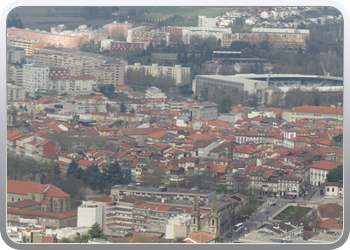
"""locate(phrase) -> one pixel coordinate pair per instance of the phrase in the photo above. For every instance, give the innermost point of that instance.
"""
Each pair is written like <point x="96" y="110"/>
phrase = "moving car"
<point x="273" y="204"/>
<point x="266" y="212"/>
<point x="292" y="202"/>
<point x="280" y="204"/>
<point x="245" y="229"/>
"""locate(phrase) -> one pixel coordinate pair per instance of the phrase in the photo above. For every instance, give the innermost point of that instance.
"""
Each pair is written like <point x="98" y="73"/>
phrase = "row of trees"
<point x="20" y="168"/>
<point x="28" y="169"/>
<point x="96" y="179"/>
<point x="278" y="99"/>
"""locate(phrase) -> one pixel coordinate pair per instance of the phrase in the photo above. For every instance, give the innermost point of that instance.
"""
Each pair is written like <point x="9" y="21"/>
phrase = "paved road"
<point x="260" y="217"/>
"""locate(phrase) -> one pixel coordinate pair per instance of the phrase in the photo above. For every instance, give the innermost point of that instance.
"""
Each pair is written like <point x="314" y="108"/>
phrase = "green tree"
<point x="107" y="107"/>
<point x="96" y="231"/>
<point x="239" y="45"/>
<point x="179" y="239"/>
<point x="218" y="43"/>
<point x="56" y="169"/>
<point x="336" y="174"/>
<point x="113" y="175"/>
<point x="246" y="53"/>
<point x="298" y="214"/>
<point x="338" y="138"/>
<point x="73" y="168"/>
<point x="263" y="53"/>
<point x="226" y="104"/>
<point x="65" y="240"/>
<point x="122" y="107"/>
<point x="249" y="210"/>
<point x="265" y="45"/>
<point x="222" y="188"/>
<point x="129" y="234"/>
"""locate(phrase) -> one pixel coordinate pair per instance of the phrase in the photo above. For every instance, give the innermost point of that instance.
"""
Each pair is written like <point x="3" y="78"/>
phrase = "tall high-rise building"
<point x="35" y="77"/>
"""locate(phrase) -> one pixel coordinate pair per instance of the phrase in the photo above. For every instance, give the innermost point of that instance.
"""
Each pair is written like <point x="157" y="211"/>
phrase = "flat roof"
<point x="228" y="78"/>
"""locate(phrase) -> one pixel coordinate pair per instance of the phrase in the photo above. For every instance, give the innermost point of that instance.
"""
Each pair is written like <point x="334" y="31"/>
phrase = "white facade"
<point x="178" y="73"/>
<point x="154" y="92"/>
<point x="178" y="226"/>
<point x="205" y="22"/>
<point x="73" y="85"/>
<point x="317" y="176"/>
<point x="35" y="77"/>
<point x="333" y="190"/>
<point x="89" y="213"/>
<point x="106" y="44"/>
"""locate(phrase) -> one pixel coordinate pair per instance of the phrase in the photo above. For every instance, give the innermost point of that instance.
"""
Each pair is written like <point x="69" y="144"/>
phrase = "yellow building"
<point x="15" y="93"/>
<point x="312" y="112"/>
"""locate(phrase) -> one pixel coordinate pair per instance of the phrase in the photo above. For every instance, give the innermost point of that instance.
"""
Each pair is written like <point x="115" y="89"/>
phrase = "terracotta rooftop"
<point x="200" y="237"/>
<point x="318" y="109"/>
<point x="20" y="187"/>
<point x="331" y="210"/>
<point x="21" y="204"/>
<point x="326" y="165"/>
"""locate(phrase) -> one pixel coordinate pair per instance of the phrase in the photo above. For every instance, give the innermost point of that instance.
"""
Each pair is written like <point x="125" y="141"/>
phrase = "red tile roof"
<point x="332" y="210"/>
<point x="21" y="204"/>
<point x="40" y="213"/>
<point x="20" y="187"/>
<point x="218" y="169"/>
<point x="200" y="237"/>
<point x="57" y="193"/>
<point x="318" y="109"/>
<point x="326" y="165"/>
<point x="268" y="173"/>
<point x="159" y="134"/>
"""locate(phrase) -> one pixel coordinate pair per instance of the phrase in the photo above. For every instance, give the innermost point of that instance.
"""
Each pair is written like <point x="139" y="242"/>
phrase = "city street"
<point x="260" y="218"/>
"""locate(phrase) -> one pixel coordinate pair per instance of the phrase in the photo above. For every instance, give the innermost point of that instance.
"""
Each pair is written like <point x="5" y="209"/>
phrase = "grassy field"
<point x="288" y="213"/>
<point x="46" y="17"/>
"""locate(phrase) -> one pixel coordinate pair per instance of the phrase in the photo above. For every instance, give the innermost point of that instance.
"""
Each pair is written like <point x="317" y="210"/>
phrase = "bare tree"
<point x="277" y="98"/>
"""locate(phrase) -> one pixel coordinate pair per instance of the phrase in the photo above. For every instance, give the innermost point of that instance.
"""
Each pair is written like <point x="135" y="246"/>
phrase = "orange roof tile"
<point x="20" y="187"/>
<point x="326" y="165"/>
<point x="57" y="193"/>
<point x="318" y="109"/>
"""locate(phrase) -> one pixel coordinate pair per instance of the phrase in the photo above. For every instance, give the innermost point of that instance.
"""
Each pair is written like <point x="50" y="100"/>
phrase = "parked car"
<point x="267" y="211"/>
<point x="306" y="192"/>
<point x="292" y="202"/>
<point x="245" y="229"/>
<point x="273" y="204"/>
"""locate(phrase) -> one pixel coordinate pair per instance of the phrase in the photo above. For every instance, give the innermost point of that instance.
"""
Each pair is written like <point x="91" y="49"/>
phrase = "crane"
<point x="324" y="70"/>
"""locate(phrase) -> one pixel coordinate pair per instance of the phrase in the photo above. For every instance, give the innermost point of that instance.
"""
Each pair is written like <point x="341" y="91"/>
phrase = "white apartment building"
<point x="178" y="73"/>
<point x="73" y="85"/>
<point x="319" y="171"/>
<point x="35" y="77"/>
<point x="89" y="213"/>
